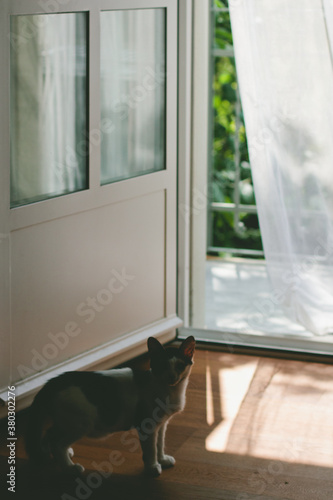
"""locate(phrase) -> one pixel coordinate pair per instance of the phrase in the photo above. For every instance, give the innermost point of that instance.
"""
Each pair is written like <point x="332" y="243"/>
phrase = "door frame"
<point x="194" y="19"/>
<point x="193" y="199"/>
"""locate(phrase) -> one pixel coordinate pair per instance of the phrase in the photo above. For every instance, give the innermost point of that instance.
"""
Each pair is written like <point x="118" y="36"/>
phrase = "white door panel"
<point x="92" y="267"/>
<point x="90" y="270"/>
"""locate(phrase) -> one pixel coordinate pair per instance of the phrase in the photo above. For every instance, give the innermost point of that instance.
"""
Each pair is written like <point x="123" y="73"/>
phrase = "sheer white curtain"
<point x="284" y="64"/>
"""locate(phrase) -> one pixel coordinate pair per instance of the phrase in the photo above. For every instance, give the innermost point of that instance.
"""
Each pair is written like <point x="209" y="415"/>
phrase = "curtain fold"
<point x="284" y="66"/>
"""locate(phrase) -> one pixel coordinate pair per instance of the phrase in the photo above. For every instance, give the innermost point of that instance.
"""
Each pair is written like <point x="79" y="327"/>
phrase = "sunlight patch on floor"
<point x="234" y="383"/>
<point x="271" y="410"/>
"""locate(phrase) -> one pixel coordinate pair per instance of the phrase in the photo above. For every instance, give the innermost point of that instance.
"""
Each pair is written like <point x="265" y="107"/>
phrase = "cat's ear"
<point x="187" y="348"/>
<point x="155" y="348"/>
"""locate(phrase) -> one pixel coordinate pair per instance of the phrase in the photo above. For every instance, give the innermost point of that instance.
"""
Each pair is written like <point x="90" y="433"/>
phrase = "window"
<point x="133" y="92"/>
<point x="233" y="226"/>
<point x="50" y="142"/>
<point x="48" y="106"/>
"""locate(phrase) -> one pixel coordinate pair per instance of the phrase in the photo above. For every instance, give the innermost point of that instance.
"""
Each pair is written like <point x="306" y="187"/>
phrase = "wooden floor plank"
<point x="253" y="428"/>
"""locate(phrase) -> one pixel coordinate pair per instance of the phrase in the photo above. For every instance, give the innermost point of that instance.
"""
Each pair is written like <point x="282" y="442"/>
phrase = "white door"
<point x="88" y="182"/>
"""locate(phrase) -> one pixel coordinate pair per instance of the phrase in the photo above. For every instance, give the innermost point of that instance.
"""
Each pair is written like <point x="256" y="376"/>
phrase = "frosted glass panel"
<point x="48" y="106"/>
<point x="132" y="93"/>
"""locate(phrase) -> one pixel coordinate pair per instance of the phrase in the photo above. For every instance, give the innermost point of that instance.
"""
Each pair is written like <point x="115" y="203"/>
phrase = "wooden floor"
<point x="253" y="428"/>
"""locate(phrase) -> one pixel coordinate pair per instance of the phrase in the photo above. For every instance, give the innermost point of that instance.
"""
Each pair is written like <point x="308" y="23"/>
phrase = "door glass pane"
<point x="133" y="82"/>
<point x="48" y="106"/>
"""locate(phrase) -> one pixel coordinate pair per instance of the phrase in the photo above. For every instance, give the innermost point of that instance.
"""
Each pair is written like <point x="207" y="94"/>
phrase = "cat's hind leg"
<point x="62" y="452"/>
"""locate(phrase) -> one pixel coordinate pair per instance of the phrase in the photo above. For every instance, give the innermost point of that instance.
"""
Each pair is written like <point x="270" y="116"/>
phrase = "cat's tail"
<point x="35" y="446"/>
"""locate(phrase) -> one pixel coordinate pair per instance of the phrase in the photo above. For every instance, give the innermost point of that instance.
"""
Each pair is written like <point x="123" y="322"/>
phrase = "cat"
<point x="95" y="404"/>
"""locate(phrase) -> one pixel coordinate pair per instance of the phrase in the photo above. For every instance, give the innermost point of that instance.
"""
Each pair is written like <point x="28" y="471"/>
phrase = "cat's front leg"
<point x="166" y="461"/>
<point x="149" y="454"/>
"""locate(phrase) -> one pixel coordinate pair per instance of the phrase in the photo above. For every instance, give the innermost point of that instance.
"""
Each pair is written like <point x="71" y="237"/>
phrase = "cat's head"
<point x="171" y="365"/>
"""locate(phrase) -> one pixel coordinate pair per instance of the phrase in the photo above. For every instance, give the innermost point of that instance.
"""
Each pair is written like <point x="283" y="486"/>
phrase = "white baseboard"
<point x="102" y="357"/>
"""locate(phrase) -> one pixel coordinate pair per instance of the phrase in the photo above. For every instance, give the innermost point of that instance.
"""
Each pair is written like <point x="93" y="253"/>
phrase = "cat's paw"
<point x="153" y="470"/>
<point x="75" y="469"/>
<point x="70" y="452"/>
<point x="167" y="461"/>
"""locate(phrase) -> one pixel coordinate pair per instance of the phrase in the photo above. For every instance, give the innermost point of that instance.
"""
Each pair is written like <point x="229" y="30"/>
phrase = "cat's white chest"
<point x="177" y="397"/>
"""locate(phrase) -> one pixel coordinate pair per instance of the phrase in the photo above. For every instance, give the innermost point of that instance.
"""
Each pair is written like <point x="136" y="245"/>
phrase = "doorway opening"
<point x="237" y="285"/>
<point x="231" y="294"/>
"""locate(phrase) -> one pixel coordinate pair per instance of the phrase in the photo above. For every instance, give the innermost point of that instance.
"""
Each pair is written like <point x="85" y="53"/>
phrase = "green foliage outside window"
<point x="229" y="146"/>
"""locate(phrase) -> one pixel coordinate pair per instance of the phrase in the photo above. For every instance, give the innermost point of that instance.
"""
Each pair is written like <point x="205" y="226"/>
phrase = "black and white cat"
<point x="95" y="404"/>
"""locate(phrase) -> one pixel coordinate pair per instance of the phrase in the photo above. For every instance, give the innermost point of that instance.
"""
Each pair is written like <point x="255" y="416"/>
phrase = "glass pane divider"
<point x="231" y="207"/>
<point x="223" y="52"/>
<point x="95" y="130"/>
<point x="240" y="251"/>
